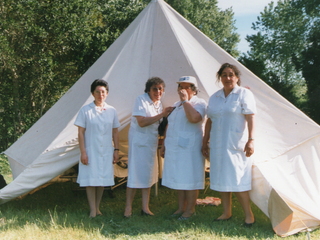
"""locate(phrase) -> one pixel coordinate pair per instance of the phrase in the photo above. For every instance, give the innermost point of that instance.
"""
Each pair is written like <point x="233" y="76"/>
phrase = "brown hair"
<point x="233" y="67"/>
<point x="153" y="81"/>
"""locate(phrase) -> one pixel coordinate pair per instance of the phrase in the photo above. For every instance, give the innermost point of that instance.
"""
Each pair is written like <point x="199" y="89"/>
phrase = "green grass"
<point x="61" y="212"/>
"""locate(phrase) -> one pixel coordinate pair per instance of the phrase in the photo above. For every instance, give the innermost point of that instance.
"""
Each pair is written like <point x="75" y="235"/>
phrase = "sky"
<point x="245" y="13"/>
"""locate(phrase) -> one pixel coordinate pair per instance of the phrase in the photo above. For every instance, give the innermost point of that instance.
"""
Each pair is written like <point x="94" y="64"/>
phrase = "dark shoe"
<point x="221" y="220"/>
<point x="143" y="213"/>
<point x="248" y="225"/>
<point x="181" y="218"/>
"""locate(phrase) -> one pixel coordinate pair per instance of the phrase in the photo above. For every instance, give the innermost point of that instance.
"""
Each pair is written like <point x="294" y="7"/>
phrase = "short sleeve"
<point x="210" y="106"/>
<point x="248" y="104"/>
<point x="81" y="119"/>
<point x="116" y="122"/>
<point x="201" y="107"/>
<point x="138" y="108"/>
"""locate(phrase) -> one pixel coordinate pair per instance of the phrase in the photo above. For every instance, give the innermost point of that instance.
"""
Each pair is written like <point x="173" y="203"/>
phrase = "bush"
<point x="4" y="165"/>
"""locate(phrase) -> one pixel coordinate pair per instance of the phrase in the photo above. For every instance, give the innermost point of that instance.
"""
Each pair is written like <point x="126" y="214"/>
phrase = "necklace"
<point x="156" y="108"/>
<point x="100" y="108"/>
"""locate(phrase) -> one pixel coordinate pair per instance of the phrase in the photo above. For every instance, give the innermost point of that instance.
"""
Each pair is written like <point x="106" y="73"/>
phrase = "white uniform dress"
<point x="230" y="169"/>
<point x="98" y="144"/>
<point x="143" y="144"/>
<point x="184" y="164"/>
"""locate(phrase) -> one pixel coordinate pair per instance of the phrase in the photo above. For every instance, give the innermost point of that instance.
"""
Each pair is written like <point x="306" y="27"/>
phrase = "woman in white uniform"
<point x="230" y="112"/>
<point x="143" y="143"/>
<point x="99" y="145"/>
<point x="184" y="163"/>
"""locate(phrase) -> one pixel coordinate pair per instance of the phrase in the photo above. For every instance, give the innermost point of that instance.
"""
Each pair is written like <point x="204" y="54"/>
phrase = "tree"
<point x="284" y="35"/>
<point x="218" y="25"/>
<point x="45" y="46"/>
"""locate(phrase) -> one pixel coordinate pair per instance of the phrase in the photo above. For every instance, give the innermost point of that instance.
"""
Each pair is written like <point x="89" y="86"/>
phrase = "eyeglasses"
<point x="187" y="87"/>
<point x="155" y="89"/>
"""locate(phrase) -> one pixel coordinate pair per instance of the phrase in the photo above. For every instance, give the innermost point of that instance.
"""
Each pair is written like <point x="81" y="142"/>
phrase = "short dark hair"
<point x="233" y="67"/>
<point x="153" y="81"/>
<point x="99" y="82"/>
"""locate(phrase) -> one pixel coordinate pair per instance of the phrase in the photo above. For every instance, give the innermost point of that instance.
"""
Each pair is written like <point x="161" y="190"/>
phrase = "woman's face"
<point x="156" y="92"/>
<point x="188" y="88"/>
<point x="228" y="79"/>
<point x="100" y="94"/>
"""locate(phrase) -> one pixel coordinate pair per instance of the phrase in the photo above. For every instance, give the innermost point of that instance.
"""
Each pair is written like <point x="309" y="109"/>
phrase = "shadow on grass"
<point x="59" y="206"/>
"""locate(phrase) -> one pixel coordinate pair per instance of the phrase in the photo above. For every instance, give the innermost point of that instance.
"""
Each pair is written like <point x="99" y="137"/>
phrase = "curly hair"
<point x="153" y="81"/>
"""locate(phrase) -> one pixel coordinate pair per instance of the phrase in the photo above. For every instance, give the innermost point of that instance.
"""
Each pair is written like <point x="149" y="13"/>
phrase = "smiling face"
<point x="100" y="94"/>
<point x="156" y="92"/>
<point x="228" y="79"/>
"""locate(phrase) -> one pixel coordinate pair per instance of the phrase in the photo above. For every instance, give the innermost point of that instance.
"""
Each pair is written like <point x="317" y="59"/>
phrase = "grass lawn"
<point x="61" y="212"/>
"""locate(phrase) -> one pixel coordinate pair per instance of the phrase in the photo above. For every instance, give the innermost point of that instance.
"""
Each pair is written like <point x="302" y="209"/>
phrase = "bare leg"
<point x="91" y="195"/>
<point x="99" y="193"/>
<point x="191" y="198"/>
<point x="226" y="204"/>
<point x="130" y="193"/>
<point x="244" y="199"/>
<point x="145" y="200"/>
<point x="181" y="202"/>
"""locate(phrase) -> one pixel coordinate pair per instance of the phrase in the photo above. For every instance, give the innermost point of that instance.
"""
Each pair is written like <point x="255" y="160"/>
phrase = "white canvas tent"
<point x="160" y="42"/>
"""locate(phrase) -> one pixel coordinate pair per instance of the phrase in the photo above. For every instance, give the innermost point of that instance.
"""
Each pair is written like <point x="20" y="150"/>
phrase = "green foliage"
<point x="218" y="25"/>
<point x="45" y="47"/>
<point x="284" y="35"/>
<point x="4" y="165"/>
<point x="309" y="61"/>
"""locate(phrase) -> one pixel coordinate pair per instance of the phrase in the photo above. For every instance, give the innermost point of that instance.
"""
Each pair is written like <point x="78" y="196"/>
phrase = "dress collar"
<point x="235" y="90"/>
<point x="92" y="105"/>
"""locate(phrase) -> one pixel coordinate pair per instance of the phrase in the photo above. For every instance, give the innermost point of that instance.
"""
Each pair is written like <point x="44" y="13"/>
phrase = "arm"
<point x="249" y="147"/>
<point x="192" y="114"/>
<point x="115" y="138"/>
<point x="83" y="153"/>
<point x="146" y="121"/>
<point x="206" y="138"/>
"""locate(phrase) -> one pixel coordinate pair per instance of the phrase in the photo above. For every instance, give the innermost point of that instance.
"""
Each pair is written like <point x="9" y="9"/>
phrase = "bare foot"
<point x="187" y="214"/>
<point x="224" y="217"/>
<point x="92" y="214"/>
<point x="127" y="212"/>
<point x="249" y="219"/>
<point x="98" y="213"/>
<point x="178" y="212"/>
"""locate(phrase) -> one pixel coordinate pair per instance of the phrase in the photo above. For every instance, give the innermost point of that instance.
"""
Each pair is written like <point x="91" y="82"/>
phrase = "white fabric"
<point x="98" y="126"/>
<point x="183" y="163"/>
<point x="160" y="42"/>
<point x="143" y="143"/>
<point x="230" y="169"/>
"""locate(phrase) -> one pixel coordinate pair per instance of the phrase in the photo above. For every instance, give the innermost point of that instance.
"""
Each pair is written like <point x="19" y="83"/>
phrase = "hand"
<point x="205" y="150"/>
<point x="167" y="111"/>
<point x="249" y="148"/>
<point x="183" y="94"/>
<point x="162" y="150"/>
<point x="84" y="159"/>
<point x="115" y="157"/>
